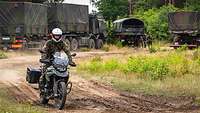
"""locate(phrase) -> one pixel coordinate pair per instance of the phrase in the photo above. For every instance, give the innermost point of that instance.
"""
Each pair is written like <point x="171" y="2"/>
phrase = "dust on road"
<point x="89" y="96"/>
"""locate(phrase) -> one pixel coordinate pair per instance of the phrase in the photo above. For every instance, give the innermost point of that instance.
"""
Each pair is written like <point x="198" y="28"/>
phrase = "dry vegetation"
<point x="3" y="55"/>
<point x="9" y="105"/>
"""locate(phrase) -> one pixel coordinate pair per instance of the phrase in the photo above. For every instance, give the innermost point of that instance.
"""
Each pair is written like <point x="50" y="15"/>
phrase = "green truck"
<point x="130" y="31"/>
<point x="184" y="27"/>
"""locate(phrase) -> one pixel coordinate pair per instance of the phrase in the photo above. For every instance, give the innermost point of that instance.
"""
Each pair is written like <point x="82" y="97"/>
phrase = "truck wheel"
<point x="141" y="42"/>
<point x="91" y="44"/>
<point x="99" y="43"/>
<point x="74" y="44"/>
<point x="68" y="43"/>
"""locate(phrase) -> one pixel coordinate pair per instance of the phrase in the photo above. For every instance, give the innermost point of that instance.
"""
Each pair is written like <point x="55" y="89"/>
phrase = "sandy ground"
<point x="88" y="96"/>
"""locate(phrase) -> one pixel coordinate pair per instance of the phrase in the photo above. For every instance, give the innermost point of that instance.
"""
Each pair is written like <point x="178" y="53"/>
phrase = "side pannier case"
<point x="33" y="75"/>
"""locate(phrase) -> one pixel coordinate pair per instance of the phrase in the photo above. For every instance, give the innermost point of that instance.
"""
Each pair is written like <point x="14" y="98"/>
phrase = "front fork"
<point x="55" y="87"/>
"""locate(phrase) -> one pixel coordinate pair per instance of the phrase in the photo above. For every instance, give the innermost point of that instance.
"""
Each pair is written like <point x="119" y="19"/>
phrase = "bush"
<point x="182" y="48"/>
<point x="156" y="21"/>
<point x="149" y="68"/>
<point x="111" y="65"/>
<point x="152" y="49"/>
<point x="174" y="64"/>
<point x="106" y="48"/>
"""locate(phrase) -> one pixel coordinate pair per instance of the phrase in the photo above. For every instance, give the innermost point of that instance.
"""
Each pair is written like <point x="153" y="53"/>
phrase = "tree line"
<point x="153" y="12"/>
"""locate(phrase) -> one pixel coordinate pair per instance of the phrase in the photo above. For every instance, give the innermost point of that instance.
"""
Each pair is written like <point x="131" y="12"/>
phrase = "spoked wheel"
<point x="61" y="98"/>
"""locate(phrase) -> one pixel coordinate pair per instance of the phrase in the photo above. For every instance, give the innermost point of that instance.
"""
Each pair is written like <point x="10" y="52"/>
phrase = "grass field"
<point x="174" y="72"/>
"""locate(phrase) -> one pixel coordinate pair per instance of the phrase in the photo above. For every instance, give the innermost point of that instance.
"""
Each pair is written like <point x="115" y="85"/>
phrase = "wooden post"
<point x="130" y="7"/>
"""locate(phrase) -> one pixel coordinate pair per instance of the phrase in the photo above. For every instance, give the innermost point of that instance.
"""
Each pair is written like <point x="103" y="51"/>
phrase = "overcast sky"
<point x="85" y="2"/>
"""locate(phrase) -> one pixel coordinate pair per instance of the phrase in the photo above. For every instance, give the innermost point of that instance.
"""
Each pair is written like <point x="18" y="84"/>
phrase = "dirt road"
<point x="89" y="96"/>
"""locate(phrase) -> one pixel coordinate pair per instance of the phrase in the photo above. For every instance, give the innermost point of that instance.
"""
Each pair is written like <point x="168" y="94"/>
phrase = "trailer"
<point x="130" y="31"/>
<point x="79" y="28"/>
<point x="184" y="27"/>
<point x="22" y="23"/>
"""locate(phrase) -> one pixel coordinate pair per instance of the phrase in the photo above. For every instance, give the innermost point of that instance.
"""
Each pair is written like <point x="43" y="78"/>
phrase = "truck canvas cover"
<point x="69" y="17"/>
<point x="23" y="18"/>
<point x="129" y="26"/>
<point x="184" y="22"/>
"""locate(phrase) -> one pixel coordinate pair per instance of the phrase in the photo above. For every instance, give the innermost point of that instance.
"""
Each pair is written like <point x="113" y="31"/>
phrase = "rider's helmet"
<point x="57" y="34"/>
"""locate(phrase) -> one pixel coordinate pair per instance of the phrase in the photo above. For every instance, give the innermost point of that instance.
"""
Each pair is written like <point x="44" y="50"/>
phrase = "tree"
<point x="35" y="1"/>
<point x="112" y="9"/>
<point x="193" y="5"/>
<point x="147" y="4"/>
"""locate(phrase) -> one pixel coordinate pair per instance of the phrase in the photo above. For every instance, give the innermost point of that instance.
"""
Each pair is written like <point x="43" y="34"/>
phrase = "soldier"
<point x="56" y="44"/>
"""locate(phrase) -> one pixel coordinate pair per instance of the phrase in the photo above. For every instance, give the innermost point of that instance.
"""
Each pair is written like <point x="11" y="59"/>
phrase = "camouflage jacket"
<point x="51" y="47"/>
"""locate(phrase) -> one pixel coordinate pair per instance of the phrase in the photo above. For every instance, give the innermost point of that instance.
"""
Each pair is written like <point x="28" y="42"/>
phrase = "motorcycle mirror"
<point x="73" y="54"/>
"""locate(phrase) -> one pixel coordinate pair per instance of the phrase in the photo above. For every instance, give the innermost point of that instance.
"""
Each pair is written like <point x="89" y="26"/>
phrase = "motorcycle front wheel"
<point x="43" y="99"/>
<point x="61" y="98"/>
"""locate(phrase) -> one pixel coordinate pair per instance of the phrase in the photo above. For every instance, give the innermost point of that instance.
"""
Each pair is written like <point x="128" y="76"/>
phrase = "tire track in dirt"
<point x="89" y="96"/>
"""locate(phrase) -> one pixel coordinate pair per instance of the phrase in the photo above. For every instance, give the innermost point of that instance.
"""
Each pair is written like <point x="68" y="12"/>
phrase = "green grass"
<point x="3" y="55"/>
<point x="172" y="73"/>
<point x="9" y="105"/>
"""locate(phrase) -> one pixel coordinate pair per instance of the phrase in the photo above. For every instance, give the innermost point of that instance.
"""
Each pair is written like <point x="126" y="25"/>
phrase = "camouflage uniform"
<point x="51" y="47"/>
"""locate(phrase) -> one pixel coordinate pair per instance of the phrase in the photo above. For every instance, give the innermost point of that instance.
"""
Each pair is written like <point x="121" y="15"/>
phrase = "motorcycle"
<point x="54" y="79"/>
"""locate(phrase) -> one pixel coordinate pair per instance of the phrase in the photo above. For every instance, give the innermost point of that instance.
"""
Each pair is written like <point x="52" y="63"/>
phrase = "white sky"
<point x="85" y="2"/>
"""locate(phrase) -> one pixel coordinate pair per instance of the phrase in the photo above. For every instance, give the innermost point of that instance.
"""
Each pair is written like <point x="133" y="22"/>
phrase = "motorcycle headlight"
<point x="60" y="67"/>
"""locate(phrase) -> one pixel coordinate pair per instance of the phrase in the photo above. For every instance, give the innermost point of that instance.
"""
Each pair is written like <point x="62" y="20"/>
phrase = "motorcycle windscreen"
<point x="60" y="61"/>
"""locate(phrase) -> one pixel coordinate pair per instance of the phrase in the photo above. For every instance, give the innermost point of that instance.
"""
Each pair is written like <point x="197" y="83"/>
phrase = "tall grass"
<point x="173" y="64"/>
<point x="149" y="71"/>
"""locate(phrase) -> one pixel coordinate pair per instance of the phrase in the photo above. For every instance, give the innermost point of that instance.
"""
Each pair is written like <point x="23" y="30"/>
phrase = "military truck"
<point x="22" y="23"/>
<point x="26" y="24"/>
<point x="79" y="28"/>
<point x="184" y="27"/>
<point x="130" y="31"/>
